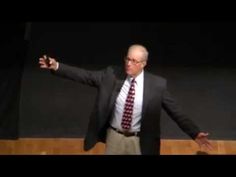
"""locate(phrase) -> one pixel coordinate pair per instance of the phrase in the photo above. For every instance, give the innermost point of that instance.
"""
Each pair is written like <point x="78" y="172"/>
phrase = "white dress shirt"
<point x="120" y="104"/>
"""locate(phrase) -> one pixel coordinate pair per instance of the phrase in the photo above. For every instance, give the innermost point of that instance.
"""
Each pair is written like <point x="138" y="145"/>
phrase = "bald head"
<point x="135" y="60"/>
<point x="140" y="50"/>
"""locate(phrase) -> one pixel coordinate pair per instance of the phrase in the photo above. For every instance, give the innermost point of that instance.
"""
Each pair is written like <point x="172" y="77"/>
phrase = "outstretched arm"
<point x="186" y="124"/>
<point x="92" y="78"/>
<point x="174" y="111"/>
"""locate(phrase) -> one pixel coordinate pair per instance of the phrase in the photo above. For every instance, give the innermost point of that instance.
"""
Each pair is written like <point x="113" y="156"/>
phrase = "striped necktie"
<point x="128" y="109"/>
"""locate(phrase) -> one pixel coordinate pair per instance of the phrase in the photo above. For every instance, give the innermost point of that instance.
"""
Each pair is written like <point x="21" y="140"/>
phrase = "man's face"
<point x="134" y="62"/>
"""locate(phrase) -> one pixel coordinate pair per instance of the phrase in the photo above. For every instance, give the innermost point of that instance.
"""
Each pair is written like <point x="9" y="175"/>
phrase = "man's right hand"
<point x="52" y="64"/>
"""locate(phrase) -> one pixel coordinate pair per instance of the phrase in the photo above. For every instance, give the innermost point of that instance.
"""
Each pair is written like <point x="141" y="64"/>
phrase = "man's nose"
<point x="129" y="63"/>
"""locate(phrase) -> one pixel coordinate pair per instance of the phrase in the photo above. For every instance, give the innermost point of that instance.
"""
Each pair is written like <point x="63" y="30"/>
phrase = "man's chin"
<point x="128" y="73"/>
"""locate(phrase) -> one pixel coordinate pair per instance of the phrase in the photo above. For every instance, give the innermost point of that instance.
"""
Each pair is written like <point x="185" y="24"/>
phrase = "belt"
<point x="125" y="133"/>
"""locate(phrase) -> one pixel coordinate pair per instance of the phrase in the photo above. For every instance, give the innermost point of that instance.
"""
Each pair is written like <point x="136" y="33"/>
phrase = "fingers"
<point x="51" y="60"/>
<point x="205" y="134"/>
<point x="207" y="146"/>
<point x="202" y="135"/>
<point x="204" y="143"/>
<point x="46" y="62"/>
<point x="43" y="66"/>
<point x="42" y="62"/>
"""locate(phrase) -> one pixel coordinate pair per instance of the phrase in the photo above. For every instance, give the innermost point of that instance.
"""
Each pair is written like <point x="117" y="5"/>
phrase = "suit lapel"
<point x="146" y="93"/>
<point x="117" y="87"/>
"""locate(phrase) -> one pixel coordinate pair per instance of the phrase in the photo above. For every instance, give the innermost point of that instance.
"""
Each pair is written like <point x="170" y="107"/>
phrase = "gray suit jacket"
<point x="155" y="97"/>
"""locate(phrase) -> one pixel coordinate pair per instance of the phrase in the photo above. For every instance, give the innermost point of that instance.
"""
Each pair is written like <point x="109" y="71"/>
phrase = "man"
<point x="128" y="105"/>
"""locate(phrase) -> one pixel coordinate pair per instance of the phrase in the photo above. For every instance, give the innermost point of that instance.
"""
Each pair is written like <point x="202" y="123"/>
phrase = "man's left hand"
<point x="203" y="141"/>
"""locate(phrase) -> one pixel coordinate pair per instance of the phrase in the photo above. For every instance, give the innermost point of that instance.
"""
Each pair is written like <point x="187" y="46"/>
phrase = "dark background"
<point x="196" y="57"/>
<point x="13" y="49"/>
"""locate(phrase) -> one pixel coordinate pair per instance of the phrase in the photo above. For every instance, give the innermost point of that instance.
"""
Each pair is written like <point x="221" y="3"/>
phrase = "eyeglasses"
<point x="132" y="61"/>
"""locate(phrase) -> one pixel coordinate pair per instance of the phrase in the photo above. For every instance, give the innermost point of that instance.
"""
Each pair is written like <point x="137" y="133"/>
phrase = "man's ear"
<point x="144" y="64"/>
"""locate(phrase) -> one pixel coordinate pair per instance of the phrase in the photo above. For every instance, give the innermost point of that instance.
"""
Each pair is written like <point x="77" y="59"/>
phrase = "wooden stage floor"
<point x="74" y="146"/>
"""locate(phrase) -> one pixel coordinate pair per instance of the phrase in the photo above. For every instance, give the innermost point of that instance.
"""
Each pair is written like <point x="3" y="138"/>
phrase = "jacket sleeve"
<point x="175" y="112"/>
<point x="91" y="78"/>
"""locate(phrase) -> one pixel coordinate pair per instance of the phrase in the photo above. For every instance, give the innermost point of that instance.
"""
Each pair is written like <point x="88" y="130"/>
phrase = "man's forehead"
<point x="136" y="49"/>
<point x="136" y="54"/>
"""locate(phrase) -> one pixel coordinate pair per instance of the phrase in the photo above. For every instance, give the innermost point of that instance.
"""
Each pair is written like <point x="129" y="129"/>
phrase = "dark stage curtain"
<point x="13" y="48"/>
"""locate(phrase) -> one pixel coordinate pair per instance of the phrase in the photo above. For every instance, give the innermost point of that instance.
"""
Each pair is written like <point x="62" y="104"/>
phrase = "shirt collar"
<point x="138" y="79"/>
